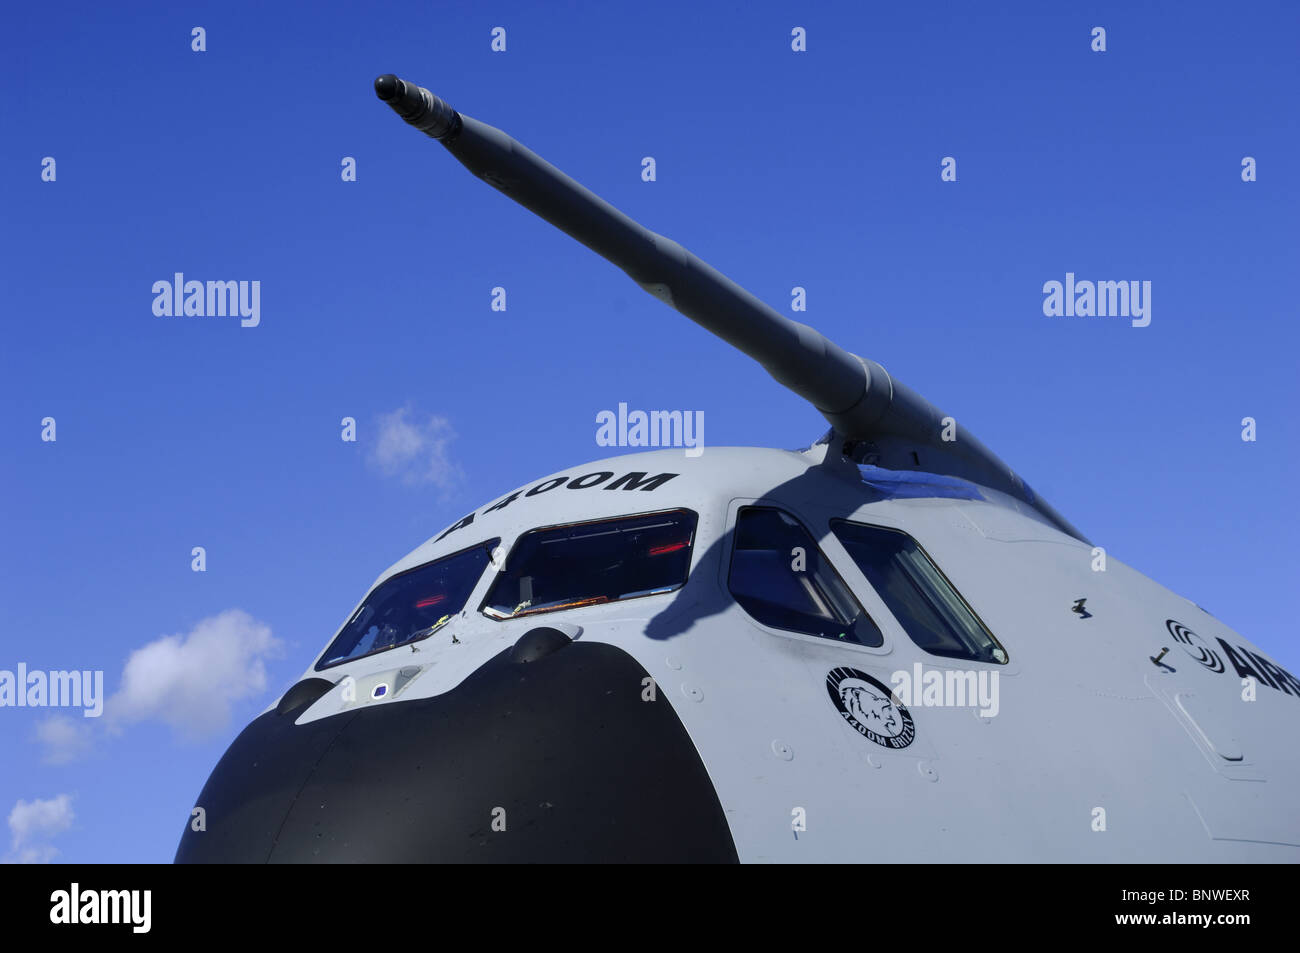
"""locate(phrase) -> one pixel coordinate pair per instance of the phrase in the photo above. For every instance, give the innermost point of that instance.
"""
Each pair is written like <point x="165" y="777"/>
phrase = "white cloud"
<point x="64" y="739"/>
<point x="190" y="681"/>
<point x="414" y="448"/>
<point x="33" y="823"/>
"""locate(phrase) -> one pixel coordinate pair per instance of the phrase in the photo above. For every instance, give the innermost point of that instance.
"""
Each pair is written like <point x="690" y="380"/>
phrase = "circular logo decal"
<point x="870" y="708"/>
<point x="1194" y="645"/>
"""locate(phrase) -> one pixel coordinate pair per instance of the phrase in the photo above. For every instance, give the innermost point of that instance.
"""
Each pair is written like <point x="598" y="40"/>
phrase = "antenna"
<point x="875" y="417"/>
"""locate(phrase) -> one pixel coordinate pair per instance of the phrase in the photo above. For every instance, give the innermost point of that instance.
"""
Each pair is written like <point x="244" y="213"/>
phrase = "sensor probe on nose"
<point x="423" y="110"/>
<point x="863" y="403"/>
<point x="849" y="391"/>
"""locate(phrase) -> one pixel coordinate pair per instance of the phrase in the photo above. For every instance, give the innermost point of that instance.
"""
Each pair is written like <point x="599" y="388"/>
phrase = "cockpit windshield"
<point x="919" y="595"/>
<point x="410" y="606"/>
<point x="583" y="564"/>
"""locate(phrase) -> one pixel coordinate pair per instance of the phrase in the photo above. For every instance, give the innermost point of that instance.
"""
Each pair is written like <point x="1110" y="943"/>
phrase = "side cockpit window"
<point x="924" y="602"/>
<point x="780" y="577"/>
<point x="410" y="606"/>
<point x="586" y="564"/>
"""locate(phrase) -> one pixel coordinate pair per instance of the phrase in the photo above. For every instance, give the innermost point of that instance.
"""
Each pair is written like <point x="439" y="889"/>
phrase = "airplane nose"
<point x="546" y="753"/>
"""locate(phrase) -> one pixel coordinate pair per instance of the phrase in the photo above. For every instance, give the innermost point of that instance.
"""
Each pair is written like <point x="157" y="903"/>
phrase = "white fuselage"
<point x="1094" y="751"/>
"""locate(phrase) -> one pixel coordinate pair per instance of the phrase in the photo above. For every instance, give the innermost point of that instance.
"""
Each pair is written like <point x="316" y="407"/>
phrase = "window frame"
<point x="831" y="560"/>
<point x="545" y="610"/>
<point x="488" y="545"/>
<point x="951" y="660"/>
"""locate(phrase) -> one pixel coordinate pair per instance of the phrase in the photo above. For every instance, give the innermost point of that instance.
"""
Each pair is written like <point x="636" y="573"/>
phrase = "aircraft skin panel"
<point x="1099" y="737"/>
<point x="1091" y="754"/>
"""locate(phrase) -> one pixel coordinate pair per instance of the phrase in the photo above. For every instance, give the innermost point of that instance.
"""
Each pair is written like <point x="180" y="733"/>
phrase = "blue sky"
<point x="819" y="169"/>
